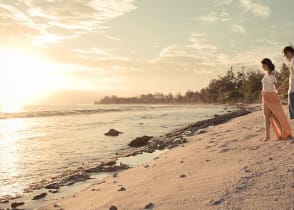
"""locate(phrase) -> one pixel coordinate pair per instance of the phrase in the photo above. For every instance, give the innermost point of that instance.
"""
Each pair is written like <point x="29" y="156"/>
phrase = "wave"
<point x="48" y="112"/>
<point x="54" y="113"/>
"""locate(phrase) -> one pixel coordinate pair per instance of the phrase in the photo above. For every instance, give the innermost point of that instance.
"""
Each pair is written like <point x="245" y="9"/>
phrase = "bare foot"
<point x="266" y="139"/>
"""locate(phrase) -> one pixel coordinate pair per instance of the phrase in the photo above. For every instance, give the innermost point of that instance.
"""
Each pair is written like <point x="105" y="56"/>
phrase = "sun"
<point x="24" y="77"/>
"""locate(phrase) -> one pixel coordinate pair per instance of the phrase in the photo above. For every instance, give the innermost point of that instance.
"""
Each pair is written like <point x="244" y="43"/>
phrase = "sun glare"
<point x="24" y="78"/>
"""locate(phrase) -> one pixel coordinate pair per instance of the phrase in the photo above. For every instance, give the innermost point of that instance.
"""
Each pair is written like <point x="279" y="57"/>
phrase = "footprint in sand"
<point x="248" y="137"/>
<point x="223" y="145"/>
<point x="208" y="147"/>
<point x="224" y="150"/>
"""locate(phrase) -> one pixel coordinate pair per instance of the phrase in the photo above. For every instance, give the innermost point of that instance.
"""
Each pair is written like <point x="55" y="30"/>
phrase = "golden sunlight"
<point x="24" y="78"/>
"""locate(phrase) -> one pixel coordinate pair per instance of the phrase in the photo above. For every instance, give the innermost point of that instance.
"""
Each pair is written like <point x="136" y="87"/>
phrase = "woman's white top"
<point x="268" y="83"/>
<point x="291" y="77"/>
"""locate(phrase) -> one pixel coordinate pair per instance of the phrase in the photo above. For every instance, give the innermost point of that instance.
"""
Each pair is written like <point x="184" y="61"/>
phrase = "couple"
<point x="274" y="114"/>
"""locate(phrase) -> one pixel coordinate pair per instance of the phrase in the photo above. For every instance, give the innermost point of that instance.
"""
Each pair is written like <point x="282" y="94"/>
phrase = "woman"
<point x="273" y="111"/>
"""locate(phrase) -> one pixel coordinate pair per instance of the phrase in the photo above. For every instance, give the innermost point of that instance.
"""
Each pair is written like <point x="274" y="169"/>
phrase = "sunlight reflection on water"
<point x="9" y="156"/>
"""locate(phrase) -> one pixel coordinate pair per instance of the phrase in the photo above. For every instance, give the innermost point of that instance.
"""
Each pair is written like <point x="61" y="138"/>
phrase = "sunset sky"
<point x="88" y="48"/>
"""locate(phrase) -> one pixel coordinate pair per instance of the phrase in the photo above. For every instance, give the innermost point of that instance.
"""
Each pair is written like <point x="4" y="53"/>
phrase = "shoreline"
<point x="113" y="166"/>
<point x="227" y="167"/>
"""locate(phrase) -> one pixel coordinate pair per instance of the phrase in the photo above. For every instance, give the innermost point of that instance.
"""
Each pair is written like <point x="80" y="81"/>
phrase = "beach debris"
<point x="149" y="206"/>
<point x="38" y="197"/>
<point x="201" y="131"/>
<point x="113" y="208"/>
<point x="140" y="141"/>
<point x="16" y="204"/>
<point x="122" y="189"/>
<point x="112" y="132"/>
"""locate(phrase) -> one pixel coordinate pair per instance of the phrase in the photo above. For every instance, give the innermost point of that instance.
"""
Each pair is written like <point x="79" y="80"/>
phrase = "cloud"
<point x="55" y="21"/>
<point x="213" y="17"/>
<point x="256" y="8"/>
<point x="238" y="29"/>
<point x="223" y="1"/>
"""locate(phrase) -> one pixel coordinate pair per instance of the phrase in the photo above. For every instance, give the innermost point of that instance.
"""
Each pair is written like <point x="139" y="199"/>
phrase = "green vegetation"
<point x="240" y="87"/>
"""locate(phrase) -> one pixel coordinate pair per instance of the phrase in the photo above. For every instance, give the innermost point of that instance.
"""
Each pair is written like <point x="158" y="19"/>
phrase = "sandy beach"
<point x="227" y="167"/>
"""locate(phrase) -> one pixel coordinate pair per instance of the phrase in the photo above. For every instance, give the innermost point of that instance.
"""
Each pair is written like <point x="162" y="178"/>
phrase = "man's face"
<point x="288" y="56"/>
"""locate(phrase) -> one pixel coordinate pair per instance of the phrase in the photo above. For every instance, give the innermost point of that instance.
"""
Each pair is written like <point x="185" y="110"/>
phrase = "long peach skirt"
<point x="278" y="119"/>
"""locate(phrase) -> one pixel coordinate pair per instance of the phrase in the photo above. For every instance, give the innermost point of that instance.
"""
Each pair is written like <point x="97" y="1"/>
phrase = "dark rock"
<point x="149" y="206"/>
<point x="38" y="197"/>
<point x="270" y="158"/>
<point x="113" y="208"/>
<point x="112" y="132"/>
<point x="16" y="204"/>
<point x="122" y="189"/>
<point x="140" y="141"/>
<point x="183" y="176"/>
<point x="52" y="186"/>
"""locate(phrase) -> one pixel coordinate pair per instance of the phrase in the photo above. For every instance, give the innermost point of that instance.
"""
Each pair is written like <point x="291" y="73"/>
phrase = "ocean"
<point x="41" y="142"/>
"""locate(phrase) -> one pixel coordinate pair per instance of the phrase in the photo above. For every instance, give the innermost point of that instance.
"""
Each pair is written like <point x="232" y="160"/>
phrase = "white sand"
<point x="226" y="168"/>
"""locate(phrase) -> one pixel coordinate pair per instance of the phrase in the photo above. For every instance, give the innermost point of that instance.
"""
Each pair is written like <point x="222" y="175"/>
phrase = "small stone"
<point x="149" y="206"/>
<point x="16" y="204"/>
<point x="201" y="131"/>
<point x="4" y="200"/>
<point x="216" y="202"/>
<point x="113" y="208"/>
<point x="146" y="166"/>
<point x="53" y="191"/>
<point x="140" y="141"/>
<point x="270" y="158"/>
<point x="112" y="132"/>
<point x="183" y="176"/>
<point x="122" y="189"/>
<point x="37" y="197"/>
<point x="181" y="161"/>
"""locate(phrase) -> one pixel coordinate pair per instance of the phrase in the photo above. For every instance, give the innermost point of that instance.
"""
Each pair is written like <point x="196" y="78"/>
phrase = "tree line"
<point x="240" y="87"/>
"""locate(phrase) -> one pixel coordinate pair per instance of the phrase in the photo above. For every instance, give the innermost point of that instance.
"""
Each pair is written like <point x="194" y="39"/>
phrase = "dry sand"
<point x="229" y="167"/>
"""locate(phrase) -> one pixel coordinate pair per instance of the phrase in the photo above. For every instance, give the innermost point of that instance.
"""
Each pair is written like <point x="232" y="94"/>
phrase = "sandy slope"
<point x="226" y="168"/>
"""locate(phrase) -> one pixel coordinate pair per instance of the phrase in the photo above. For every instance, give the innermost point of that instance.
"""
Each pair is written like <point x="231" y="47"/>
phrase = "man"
<point x="289" y="54"/>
